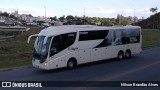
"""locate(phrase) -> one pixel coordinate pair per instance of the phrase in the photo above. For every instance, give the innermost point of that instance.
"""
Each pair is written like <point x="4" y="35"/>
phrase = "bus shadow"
<point x="51" y="71"/>
<point x="65" y="69"/>
<point x="104" y="62"/>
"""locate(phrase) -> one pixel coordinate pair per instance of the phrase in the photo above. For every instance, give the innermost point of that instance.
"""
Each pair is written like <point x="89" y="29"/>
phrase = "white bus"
<point x="71" y="45"/>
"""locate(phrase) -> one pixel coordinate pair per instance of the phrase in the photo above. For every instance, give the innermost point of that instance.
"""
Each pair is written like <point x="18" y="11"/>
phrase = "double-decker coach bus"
<point x="71" y="45"/>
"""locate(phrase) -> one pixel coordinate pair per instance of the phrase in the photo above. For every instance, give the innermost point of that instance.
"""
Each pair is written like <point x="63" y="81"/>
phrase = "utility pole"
<point x="17" y="15"/>
<point x="45" y="13"/>
<point x="17" y="12"/>
<point x="84" y="16"/>
<point x="134" y="15"/>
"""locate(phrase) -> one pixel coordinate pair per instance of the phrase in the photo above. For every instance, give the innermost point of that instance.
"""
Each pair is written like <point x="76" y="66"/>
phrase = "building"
<point x="48" y="20"/>
<point x="27" y="18"/>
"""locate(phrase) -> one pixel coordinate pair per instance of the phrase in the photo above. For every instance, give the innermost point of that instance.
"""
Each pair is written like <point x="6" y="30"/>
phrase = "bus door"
<point x="84" y="52"/>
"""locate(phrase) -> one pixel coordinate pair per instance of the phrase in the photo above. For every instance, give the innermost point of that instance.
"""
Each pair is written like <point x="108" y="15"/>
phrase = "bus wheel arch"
<point x="120" y="55"/>
<point x="128" y="53"/>
<point x="72" y="63"/>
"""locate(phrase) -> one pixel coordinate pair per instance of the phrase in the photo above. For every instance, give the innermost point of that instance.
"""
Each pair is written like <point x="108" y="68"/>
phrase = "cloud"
<point x="23" y="10"/>
<point x="32" y="10"/>
<point x="97" y="10"/>
<point x="105" y="12"/>
<point x="92" y="12"/>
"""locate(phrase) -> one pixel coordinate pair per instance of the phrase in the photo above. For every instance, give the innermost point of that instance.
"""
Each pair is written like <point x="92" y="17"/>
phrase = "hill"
<point x="153" y="22"/>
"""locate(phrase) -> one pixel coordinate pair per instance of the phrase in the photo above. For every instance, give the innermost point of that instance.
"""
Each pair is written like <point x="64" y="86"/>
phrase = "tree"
<point x="40" y="22"/>
<point x="53" y="18"/>
<point x="11" y="16"/>
<point x="119" y="18"/>
<point x="70" y="17"/>
<point x="62" y="18"/>
<point x="30" y="15"/>
<point x="79" y="21"/>
<point x="5" y="14"/>
<point x="104" y="22"/>
<point x="154" y="10"/>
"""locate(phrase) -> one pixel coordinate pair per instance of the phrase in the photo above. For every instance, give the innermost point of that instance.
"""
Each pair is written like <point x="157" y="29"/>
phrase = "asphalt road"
<point x="141" y="67"/>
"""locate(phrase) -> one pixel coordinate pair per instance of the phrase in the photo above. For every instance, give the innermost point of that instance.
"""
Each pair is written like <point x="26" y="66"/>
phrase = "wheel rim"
<point x="127" y="54"/>
<point x="71" y="64"/>
<point x="120" y="56"/>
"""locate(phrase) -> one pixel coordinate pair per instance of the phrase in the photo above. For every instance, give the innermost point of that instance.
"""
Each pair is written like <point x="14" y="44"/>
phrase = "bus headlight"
<point x="45" y="63"/>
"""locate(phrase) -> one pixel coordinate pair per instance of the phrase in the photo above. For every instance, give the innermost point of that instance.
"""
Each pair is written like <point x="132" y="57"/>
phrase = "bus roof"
<point x="57" y="30"/>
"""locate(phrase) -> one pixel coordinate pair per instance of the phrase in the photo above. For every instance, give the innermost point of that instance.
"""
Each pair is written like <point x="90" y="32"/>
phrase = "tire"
<point x="120" y="55"/>
<point x="128" y="54"/>
<point x="71" y="64"/>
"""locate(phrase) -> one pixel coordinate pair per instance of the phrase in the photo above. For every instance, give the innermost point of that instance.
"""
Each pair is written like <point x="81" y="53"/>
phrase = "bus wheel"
<point x="71" y="64"/>
<point x="128" y="54"/>
<point x="120" y="55"/>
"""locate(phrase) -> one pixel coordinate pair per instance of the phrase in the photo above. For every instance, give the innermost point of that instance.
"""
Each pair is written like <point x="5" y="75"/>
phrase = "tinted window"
<point x="62" y="42"/>
<point x="104" y="43"/>
<point x="117" y="37"/>
<point x="135" y="36"/>
<point x="131" y="36"/>
<point x="92" y="35"/>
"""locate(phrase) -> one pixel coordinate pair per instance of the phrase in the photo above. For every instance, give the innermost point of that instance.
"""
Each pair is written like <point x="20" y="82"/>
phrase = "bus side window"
<point x="55" y="45"/>
<point x="61" y="42"/>
<point x="117" y="37"/>
<point x="118" y="41"/>
<point x="125" y="40"/>
<point x="135" y="36"/>
<point x="67" y="40"/>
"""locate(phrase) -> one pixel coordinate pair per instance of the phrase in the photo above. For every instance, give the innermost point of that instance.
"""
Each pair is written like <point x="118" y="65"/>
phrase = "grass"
<point x="151" y="38"/>
<point x="17" y="53"/>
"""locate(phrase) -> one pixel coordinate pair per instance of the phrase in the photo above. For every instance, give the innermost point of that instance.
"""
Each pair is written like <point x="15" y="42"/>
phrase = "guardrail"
<point x="13" y="28"/>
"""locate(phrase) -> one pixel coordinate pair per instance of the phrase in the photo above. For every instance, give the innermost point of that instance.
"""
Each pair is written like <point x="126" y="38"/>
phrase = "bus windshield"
<point x="40" y="49"/>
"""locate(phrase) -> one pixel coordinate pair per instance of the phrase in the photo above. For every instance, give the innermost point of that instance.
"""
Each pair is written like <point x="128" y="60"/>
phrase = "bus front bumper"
<point x="39" y="65"/>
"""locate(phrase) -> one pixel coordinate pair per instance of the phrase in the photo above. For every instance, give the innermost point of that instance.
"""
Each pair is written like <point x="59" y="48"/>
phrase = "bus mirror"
<point x="29" y="38"/>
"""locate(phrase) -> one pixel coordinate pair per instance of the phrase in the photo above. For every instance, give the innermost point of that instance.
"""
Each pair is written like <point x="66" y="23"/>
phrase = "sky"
<point x="91" y="8"/>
